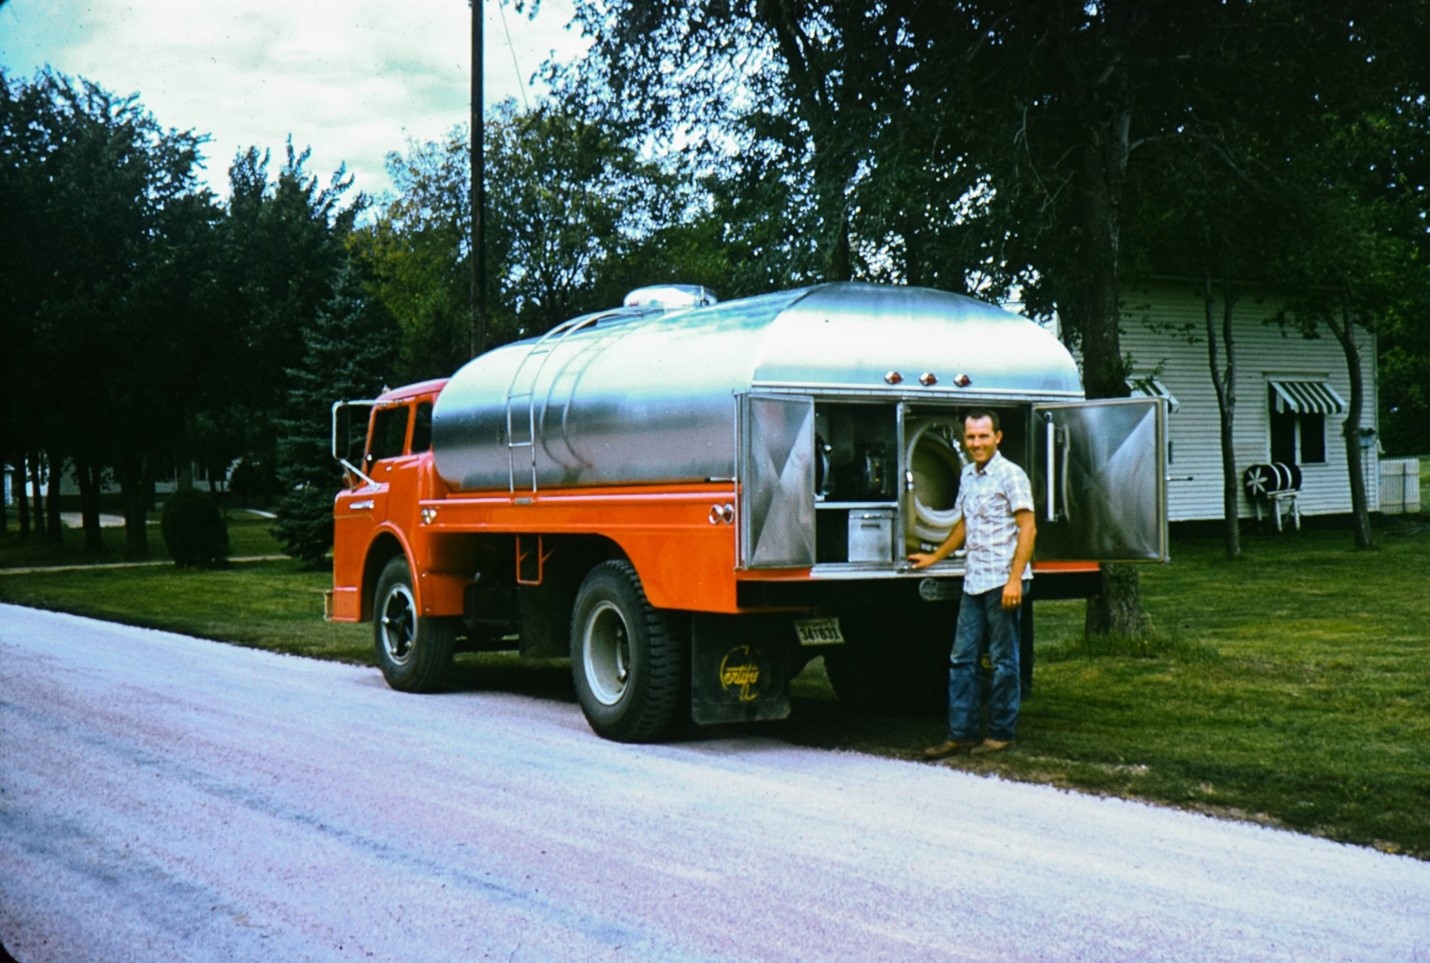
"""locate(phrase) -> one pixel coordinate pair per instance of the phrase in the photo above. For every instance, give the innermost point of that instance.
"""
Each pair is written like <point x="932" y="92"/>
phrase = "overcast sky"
<point x="353" y="79"/>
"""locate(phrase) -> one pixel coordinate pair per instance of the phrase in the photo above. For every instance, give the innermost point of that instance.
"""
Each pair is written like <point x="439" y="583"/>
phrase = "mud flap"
<point x="740" y="668"/>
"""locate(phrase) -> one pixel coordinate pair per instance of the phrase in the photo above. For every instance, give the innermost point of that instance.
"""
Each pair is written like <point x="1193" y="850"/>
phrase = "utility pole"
<point x="479" y="188"/>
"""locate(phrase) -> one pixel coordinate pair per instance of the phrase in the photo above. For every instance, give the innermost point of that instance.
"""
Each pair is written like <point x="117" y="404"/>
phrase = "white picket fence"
<point x="1400" y="486"/>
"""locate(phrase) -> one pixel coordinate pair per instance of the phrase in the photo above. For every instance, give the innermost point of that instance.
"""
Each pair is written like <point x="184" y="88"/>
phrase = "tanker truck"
<point x="692" y="499"/>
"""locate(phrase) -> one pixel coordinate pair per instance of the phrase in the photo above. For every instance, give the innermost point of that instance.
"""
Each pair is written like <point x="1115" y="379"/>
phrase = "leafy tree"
<point x="1304" y="185"/>
<point x="1359" y="210"/>
<point x="281" y="245"/>
<point x="1404" y="334"/>
<point x="171" y="324"/>
<point x="418" y="251"/>
<point x="1115" y="94"/>
<point x="1353" y="272"/>
<point x="567" y="202"/>
<point x="574" y="220"/>
<point x="113" y="196"/>
<point x="798" y="118"/>
<point x="22" y="142"/>
<point x="1198" y="208"/>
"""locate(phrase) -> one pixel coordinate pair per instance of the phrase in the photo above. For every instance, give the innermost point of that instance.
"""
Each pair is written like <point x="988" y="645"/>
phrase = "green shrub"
<point x="195" y="530"/>
<point x="305" y="524"/>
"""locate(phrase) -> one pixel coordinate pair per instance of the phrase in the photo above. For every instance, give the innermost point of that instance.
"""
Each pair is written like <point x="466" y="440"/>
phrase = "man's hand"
<point x="1012" y="593"/>
<point x="951" y="544"/>
<point x="1022" y="555"/>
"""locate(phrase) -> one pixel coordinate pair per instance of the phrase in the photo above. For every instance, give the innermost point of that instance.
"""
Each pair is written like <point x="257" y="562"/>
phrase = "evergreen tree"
<point x="348" y="346"/>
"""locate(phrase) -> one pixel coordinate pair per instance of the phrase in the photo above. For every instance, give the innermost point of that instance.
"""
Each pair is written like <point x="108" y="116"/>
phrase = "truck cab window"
<point x="389" y="433"/>
<point x="422" y="428"/>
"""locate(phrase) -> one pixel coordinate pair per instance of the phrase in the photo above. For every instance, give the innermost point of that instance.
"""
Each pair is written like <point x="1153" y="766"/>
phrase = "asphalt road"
<point x="164" y="798"/>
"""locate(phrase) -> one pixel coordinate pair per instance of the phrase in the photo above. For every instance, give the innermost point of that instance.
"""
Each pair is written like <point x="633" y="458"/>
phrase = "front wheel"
<point x="413" y="651"/>
<point x="626" y="661"/>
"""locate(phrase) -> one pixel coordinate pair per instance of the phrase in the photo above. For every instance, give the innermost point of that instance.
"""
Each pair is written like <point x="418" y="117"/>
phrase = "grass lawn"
<point x="1291" y="687"/>
<point x="275" y="605"/>
<point x="248" y="535"/>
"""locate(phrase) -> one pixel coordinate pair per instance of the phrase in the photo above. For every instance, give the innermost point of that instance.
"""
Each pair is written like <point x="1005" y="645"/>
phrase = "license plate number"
<point x="818" y="631"/>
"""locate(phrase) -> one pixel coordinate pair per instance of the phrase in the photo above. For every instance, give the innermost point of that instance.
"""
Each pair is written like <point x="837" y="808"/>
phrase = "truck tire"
<point x="626" y="661"/>
<point x="413" y="651"/>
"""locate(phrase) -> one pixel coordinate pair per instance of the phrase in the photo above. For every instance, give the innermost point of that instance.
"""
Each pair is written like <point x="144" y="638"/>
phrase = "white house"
<point x="1292" y="395"/>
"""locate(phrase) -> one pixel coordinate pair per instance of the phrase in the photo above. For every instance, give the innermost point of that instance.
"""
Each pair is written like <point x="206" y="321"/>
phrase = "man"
<point x="995" y="509"/>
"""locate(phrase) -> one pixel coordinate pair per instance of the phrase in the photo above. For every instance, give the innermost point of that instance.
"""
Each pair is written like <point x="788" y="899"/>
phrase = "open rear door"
<point x="776" y="472"/>
<point x="1100" y="481"/>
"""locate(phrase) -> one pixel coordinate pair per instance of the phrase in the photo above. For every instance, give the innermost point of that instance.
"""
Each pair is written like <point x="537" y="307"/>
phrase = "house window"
<point x="1298" y="420"/>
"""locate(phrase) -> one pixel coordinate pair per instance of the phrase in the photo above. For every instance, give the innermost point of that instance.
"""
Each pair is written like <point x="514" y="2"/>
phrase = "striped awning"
<point x="1152" y="388"/>
<point x="1308" y="398"/>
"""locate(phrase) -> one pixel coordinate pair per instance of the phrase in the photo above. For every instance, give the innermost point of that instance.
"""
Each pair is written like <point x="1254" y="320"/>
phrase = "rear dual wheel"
<point x="627" y="660"/>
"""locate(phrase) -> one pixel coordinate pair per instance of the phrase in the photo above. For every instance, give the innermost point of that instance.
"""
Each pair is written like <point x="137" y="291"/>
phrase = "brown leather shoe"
<point x="949" y="747"/>
<point x="992" y="745"/>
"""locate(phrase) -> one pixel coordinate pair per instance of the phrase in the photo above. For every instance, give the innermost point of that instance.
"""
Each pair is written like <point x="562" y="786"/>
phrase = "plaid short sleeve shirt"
<point x="987" y="500"/>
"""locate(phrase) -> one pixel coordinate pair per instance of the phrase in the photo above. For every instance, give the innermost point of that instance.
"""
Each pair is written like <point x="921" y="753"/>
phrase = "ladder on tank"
<point x="544" y="347"/>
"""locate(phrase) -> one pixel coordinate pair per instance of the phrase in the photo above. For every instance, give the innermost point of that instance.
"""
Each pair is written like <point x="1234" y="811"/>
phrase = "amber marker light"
<point x="893" y="378"/>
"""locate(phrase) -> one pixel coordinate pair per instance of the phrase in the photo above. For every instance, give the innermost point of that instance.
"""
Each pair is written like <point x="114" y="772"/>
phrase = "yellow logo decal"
<point x="741" y="670"/>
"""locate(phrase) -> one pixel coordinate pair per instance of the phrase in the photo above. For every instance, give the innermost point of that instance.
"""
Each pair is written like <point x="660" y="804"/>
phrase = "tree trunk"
<point x="1355" y="454"/>
<point x="1224" y="381"/>
<point x="54" y="468"/>
<point x="22" y="498"/>
<point x="133" y="494"/>
<point x="36" y="460"/>
<point x="89" y="475"/>
<point x="913" y="261"/>
<point x="833" y="165"/>
<point x="841" y="261"/>
<point x="1117" y="608"/>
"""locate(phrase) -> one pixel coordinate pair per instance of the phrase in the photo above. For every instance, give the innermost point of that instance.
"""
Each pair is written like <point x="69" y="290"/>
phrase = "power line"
<point x="511" y="47"/>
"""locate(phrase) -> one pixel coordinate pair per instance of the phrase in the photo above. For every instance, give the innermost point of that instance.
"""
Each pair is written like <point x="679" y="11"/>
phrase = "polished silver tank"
<point x="645" y="394"/>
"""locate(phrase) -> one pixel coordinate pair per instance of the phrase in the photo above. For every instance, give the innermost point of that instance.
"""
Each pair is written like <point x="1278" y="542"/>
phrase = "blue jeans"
<point x="983" y="617"/>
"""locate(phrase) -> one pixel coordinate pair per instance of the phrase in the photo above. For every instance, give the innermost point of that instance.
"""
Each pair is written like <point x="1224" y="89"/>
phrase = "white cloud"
<point x="353" y="79"/>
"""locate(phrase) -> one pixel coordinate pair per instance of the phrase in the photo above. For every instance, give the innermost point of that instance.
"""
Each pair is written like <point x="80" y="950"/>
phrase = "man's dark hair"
<point x="983" y="413"/>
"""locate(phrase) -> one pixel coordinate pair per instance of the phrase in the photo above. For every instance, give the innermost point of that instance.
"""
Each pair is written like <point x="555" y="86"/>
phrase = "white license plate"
<point x="818" y="631"/>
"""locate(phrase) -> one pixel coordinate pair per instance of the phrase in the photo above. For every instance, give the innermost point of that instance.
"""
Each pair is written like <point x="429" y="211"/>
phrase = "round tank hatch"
<point x="671" y="296"/>
<point x="935" y="463"/>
